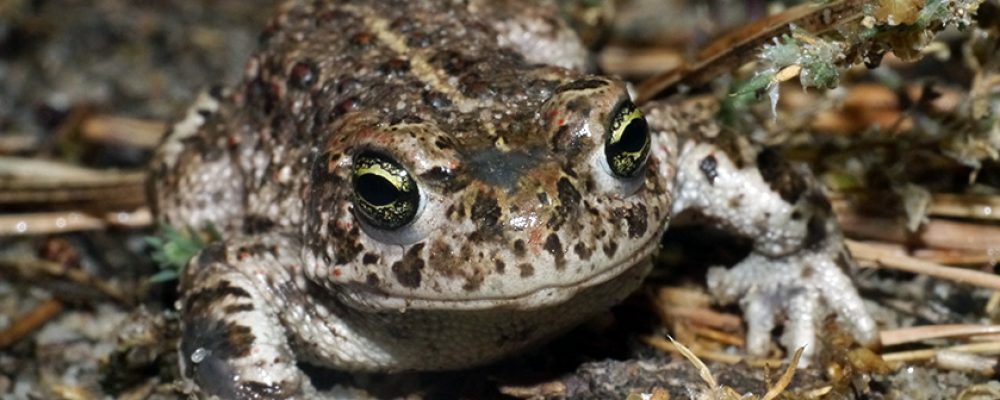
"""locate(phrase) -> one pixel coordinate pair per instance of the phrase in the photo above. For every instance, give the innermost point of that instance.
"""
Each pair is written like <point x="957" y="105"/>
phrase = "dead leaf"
<point x="895" y="12"/>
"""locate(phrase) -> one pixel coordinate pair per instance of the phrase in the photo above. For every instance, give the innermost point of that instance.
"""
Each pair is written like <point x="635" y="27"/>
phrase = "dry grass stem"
<point x="919" y="333"/>
<point x="817" y="393"/>
<point x="703" y="316"/>
<point x="626" y="61"/>
<point x="993" y="304"/>
<point x="965" y="206"/>
<point x="28" y="323"/>
<point x="33" y="181"/>
<point x="70" y="221"/>
<point x="890" y="259"/>
<point x="786" y="377"/>
<point x="718" y="336"/>
<point x="936" y="232"/>
<point x="28" y="269"/>
<point x="668" y="346"/>
<point x="957" y="361"/>
<point x="703" y="371"/>
<point x="985" y="338"/>
<point x="989" y="348"/>
<point x="32" y="170"/>
<point x="968" y="258"/>
<point x="133" y="132"/>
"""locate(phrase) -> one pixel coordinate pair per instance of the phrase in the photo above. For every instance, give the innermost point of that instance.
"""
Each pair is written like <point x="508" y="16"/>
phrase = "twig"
<point x="934" y="233"/>
<point x="786" y="378"/>
<point x="28" y="268"/>
<point x="703" y="371"/>
<point x="28" y="323"/>
<point x="965" y="206"/>
<point x="32" y="181"/>
<point x="918" y="333"/>
<point x="965" y="362"/>
<point x="705" y="317"/>
<point x="664" y="345"/>
<point x="135" y="132"/>
<point x="70" y="221"/>
<point x="718" y="336"/>
<point x="926" y="354"/>
<point x="889" y="259"/>
<point x="969" y="258"/>
<point x="627" y="61"/>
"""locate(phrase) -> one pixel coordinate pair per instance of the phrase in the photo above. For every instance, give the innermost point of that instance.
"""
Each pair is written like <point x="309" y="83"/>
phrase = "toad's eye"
<point x="627" y="147"/>
<point x="384" y="192"/>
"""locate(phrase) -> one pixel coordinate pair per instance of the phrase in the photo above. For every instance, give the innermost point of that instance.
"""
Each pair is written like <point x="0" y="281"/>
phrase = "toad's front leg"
<point x="233" y="345"/>
<point x="797" y="272"/>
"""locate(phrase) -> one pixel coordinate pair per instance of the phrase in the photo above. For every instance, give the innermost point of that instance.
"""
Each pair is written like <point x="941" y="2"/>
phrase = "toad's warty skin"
<point x="433" y="185"/>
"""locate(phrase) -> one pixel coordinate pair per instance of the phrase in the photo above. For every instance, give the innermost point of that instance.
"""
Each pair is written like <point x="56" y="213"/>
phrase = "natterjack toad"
<point x="435" y="185"/>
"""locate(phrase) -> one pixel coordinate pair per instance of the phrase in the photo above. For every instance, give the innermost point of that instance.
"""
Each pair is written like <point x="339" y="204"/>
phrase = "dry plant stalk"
<point x="71" y="221"/>
<point x="28" y="323"/>
<point x="889" y="259"/>
<point x="918" y="333"/>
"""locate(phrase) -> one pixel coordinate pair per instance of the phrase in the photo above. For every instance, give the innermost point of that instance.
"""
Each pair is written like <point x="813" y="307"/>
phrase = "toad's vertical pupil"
<point x="635" y="136"/>
<point x="376" y="190"/>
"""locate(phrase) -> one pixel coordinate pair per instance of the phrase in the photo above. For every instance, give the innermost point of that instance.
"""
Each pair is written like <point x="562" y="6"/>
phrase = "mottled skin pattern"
<point x="522" y="230"/>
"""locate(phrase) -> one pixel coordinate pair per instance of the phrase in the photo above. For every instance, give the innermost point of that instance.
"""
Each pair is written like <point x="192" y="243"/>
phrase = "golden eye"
<point x="627" y="148"/>
<point x="384" y="192"/>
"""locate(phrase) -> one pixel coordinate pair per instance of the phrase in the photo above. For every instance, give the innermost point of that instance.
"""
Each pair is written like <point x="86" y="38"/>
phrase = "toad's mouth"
<point x="635" y="266"/>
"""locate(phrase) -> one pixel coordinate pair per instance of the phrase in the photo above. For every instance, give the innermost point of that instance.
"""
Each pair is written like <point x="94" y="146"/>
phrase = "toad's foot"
<point x="800" y="289"/>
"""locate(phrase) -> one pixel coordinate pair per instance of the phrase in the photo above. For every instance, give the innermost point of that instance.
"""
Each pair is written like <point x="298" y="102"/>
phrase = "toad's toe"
<point x="799" y="291"/>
